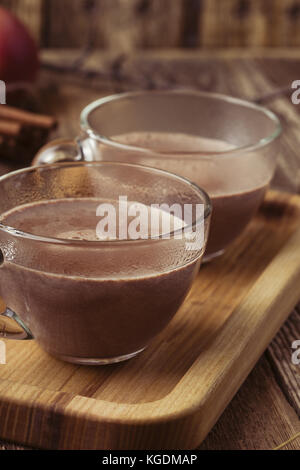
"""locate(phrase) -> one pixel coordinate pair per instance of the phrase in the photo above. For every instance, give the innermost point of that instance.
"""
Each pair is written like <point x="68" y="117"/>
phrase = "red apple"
<point x="18" y="52"/>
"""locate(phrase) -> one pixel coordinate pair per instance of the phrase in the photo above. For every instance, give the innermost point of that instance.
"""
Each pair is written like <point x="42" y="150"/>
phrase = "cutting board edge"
<point x="191" y="416"/>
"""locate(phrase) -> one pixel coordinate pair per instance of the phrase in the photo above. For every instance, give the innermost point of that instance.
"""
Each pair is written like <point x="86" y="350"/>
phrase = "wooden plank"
<point x="286" y="26"/>
<point x="258" y="418"/>
<point x="279" y="354"/>
<point x="183" y="382"/>
<point x="122" y="25"/>
<point x="243" y="425"/>
<point x="67" y="23"/>
<point x="281" y="71"/>
<point x="132" y="24"/>
<point x="28" y="11"/>
<point x="234" y="23"/>
<point x="141" y="24"/>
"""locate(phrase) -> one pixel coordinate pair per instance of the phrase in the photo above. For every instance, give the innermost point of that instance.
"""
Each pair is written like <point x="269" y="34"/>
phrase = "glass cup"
<point x="225" y="145"/>
<point x="93" y="300"/>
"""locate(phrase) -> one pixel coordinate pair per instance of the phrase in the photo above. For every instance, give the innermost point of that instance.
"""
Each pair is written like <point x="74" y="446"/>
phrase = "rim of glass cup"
<point x="86" y="127"/>
<point x="87" y="243"/>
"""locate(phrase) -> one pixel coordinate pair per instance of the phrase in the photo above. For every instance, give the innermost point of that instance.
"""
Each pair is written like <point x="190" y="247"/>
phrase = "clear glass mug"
<point x="93" y="301"/>
<point x="225" y="145"/>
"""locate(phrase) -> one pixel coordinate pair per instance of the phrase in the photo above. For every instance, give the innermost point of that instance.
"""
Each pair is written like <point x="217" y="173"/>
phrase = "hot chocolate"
<point x="86" y="300"/>
<point x="236" y="185"/>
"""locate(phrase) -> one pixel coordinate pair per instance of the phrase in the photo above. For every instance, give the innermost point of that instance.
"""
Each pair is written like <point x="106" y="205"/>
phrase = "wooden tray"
<point x="172" y="394"/>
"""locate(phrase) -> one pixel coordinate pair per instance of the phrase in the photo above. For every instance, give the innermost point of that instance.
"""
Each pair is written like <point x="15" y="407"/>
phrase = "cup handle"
<point x="58" y="151"/>
<point x="12" y="327"/>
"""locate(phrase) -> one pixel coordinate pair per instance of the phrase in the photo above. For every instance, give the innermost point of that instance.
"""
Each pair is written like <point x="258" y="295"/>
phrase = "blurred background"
<point x="84" y="49"/>
<point x="127" y="25"/>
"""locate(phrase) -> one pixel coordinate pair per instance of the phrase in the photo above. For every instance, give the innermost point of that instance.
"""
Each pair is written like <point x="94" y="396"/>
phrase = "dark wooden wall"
<point x="131" y="24"/>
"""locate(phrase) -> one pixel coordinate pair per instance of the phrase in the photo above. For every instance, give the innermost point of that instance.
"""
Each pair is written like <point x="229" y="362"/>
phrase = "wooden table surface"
<point x="265" y="412"/>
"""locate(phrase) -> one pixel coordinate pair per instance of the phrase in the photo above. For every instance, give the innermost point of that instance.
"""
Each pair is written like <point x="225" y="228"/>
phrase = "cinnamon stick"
<point x="10" y="128"/>
<point x="20" y="116"/>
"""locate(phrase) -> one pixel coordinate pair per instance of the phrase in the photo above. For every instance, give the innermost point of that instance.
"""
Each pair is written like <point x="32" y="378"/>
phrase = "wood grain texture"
<point x="235" y="23"/>
<point x="286" y="25"/>
<point x="122" y="25"/>
<point x="269" y="419"/>
<point x="138" y="24"/>
<point x="279" y="353"/>
<point x="67" y="23"/>
<point x="171" y="395"/>
<point x="258" y="418"/>
<point x="126" y="25"/>
<point x="30" y="12"/>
